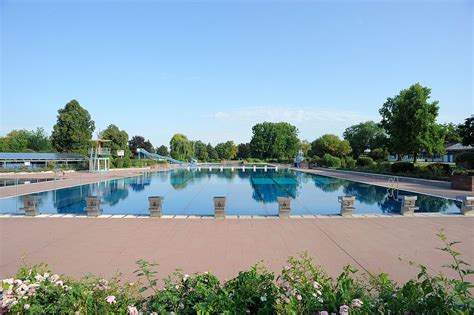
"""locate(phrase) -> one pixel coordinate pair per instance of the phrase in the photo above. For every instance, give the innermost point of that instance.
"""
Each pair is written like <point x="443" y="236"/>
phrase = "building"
<point x="449" y="157"/>
<point x="10" y="160"/>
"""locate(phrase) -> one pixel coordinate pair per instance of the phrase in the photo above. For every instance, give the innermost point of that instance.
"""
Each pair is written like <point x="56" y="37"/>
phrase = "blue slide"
<point x="147" y="154"/>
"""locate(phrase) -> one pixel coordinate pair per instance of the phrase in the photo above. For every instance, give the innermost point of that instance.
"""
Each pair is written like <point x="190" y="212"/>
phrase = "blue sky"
<point x="212" y="69"/>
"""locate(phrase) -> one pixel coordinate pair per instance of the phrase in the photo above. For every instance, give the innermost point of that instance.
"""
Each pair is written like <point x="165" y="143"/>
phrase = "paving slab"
<point x="79" y="245"/>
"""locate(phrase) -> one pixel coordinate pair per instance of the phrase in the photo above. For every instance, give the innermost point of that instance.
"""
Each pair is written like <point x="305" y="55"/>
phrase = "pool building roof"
<point x="39" y="157"/>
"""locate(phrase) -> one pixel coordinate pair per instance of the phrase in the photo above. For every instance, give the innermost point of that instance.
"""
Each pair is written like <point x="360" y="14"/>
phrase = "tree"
<point x="181" y="148"/>
<point x="305" y="146"/>
<point x="243" y="151"/>
<point x="73" y="129"/>
<point x="38" y="140"/>
<point x="330" y="144"/>
<point x="451" y="133"/>
<point x="118" y="139"/>
<point x="366" y="135"/>
<point x="26" y="141"/>
<point x="200" y="151"/>
<point x="17" y="141"/>
<point x="466" y="131"/>
<point x="410" y="122"/>
<point x="162" y="150"/>
<point x="226" y="150"/>
<point x="212" y="153"/>
<point x="138" y="142"/>
<point x="277" y="141"/>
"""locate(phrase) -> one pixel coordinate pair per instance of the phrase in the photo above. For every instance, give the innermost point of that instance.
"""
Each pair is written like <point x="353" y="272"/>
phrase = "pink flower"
<point x="132" y="310"/>
<point x="344" y="310"/>
<point x="316" y="285"/>
<point x="299" y="297"/>
<point x="323" y="313"/>
<point x="110" y="299"/>
<point x="356" y="303"/>
<point x="26" y="306"/>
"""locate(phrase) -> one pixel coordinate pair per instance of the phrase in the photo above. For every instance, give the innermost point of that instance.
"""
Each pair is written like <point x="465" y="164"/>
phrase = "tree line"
<point x="407" y="127"/>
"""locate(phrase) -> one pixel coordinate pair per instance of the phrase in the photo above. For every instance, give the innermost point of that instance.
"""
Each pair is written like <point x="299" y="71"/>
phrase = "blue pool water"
<point x="248" y="193"/>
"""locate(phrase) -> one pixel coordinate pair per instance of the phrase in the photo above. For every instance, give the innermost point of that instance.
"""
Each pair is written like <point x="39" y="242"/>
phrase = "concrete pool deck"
<point x="104" y="246"/>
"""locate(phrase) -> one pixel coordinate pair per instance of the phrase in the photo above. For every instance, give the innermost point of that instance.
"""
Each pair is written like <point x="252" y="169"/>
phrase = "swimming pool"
<point x="191" y="192"/>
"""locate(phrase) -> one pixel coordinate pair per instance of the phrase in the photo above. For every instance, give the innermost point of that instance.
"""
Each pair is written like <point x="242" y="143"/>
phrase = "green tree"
<point x="17" y="141"/>
<point x="409" y="119"/>
<point x="366" y="135"/>
<point x="181" y="148"/>
<point x="38" y="140"/>
<point x="212" y="153"/>
<point x="330" y="144"/>
<point x="277" y="141"/>
<point x="305" y="146"/>
<point x="73" y="129"/>
<point x="226" y="150"/>
<point x="451" y="133"/>
<point x="466" y="131"/>
<point x="200" y="151"/>
<point x="162" y="150"/>
<point x="118" y="139"/>
<point x="243" y="151"/>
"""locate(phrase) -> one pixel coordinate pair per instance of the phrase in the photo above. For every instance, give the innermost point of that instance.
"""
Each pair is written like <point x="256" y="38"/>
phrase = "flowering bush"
<point x="301" y="288"/>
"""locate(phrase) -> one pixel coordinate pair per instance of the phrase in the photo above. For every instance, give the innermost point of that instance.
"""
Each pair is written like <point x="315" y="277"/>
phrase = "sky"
<point x="212" y="69"/>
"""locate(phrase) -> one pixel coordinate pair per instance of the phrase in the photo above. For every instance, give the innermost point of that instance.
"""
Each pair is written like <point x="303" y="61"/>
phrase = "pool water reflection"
<point x="248" y="193"/>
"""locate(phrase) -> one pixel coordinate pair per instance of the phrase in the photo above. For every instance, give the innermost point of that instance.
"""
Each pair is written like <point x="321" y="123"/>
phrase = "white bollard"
<point x="265" y="168"/>
<point x="222" y="169"/>
<point x="276" y="168"/>
<point x="408" y="207"/>
<point x="243" y="168"/>
<point x="254" y="168"/>
<point x="347" y="205"/>
<point x="467" y="207"/>
<point x="199" y="168"/>
<point x="232" y="168"/>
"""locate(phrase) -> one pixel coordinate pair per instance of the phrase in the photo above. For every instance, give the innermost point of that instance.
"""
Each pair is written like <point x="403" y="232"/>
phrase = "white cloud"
<point x="296" y="115"/>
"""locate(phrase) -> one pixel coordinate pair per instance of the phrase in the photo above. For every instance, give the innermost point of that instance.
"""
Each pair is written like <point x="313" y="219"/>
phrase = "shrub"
<point x="350" y="162"/>
<point x="316" y="160"/>
<point x="403" y="167"/>
<point x="365" y="161"/>
<point x="119" y="162"/>
<point x="330" y="161"/>
<point x="379" y="154"/>
<point x="126" y="162"/>
<point x="465" y="160"/>
<point x="439" y="168"/>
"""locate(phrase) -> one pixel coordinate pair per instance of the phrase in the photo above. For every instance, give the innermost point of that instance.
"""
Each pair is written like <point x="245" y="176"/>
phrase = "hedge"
<point x="465" y="160"/>
<point x="402" y="167"/>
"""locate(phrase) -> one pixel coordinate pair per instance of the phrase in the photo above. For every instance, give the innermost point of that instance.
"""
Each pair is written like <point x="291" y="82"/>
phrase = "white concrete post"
<point x="284" y="207"/>
<point x="467" y="207"/>
<point x="30" y="206"/>
<point x="93" y="206"/>
<point x="347" y="205"/>
<point x="408" y="205"/>
<point x="219" y="207"/>
<point x="156" y="203"/>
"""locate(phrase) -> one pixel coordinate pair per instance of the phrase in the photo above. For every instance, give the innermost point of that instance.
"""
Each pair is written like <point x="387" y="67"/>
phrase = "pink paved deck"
<point x="76" y="246"/>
